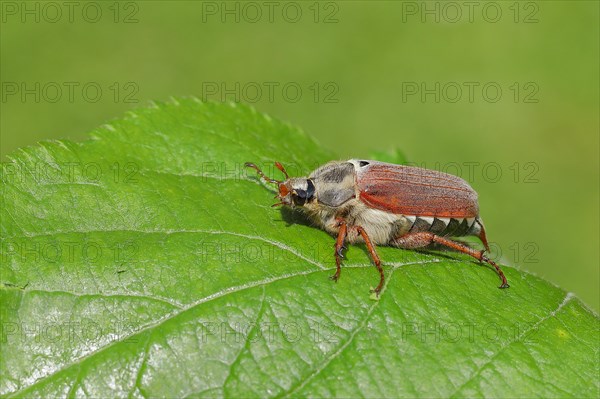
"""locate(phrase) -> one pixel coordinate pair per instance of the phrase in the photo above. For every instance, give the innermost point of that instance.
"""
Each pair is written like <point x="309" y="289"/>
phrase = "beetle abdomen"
<point x="445" y="227"/>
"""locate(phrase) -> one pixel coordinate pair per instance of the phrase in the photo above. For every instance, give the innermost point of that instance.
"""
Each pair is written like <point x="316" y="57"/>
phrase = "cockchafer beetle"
<point x="377" y="203"/>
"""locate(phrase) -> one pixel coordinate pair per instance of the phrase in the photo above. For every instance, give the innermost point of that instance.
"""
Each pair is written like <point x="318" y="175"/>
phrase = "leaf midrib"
<point x="193" y="305"/>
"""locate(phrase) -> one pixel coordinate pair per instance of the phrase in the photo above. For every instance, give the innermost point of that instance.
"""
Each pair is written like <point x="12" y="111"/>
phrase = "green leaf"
<point x="395" y="156"/>
<point x="148" y="262"/>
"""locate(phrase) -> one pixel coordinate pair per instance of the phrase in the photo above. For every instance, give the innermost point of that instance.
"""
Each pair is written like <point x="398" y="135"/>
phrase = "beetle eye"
<point x="299" y="197"/>
<point x="310" y="190"/>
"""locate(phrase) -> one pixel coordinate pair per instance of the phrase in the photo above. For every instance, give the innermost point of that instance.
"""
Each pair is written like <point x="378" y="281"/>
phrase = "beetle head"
<point x="295" y="191"/>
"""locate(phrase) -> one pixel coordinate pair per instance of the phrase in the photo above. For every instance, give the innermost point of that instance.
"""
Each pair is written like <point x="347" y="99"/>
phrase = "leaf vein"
<point x="190" y="307"/>
<point x="566" y="300"/>
<point x="343" y="347"/>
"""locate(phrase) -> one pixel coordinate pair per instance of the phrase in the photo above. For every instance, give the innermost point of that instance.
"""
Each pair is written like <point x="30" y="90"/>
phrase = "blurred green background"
<point x="472" y="88"/>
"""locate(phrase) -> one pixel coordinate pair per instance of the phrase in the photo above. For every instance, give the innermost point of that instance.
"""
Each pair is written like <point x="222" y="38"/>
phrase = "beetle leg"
<point x="339" y="247"/>
<point x="423" y="239"/>
<point x="375" y="258"/>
